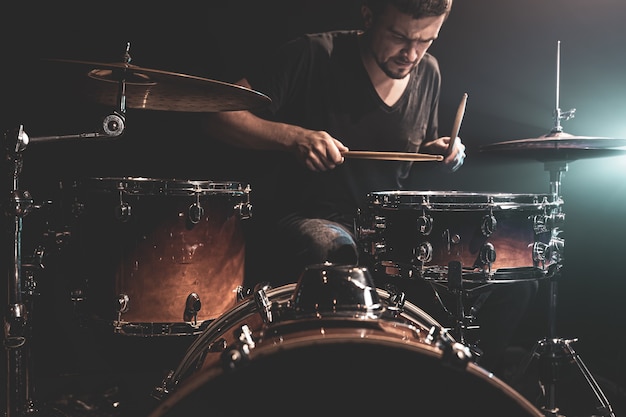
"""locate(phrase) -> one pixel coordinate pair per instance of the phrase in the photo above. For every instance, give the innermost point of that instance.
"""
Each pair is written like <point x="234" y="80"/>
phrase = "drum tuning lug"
<point x="396" y="301"/>
<point x="123" y="211"/>
<point x="244" y="209"/>
<point x="488" y="225"/>
<point x="263" y="302"/>
<point x="425" y="224"/>
<point x="242" y="292"/>
<point x="192" y="306"/>
<point x="231" y="358"/>
<point x="195" y="213"/>
<point x="424" y="252"/>
<point x="122" y="305"/>
<point x="456" y="355"/>
<point x="487" y="255"/>
<point x="540" y="252"/>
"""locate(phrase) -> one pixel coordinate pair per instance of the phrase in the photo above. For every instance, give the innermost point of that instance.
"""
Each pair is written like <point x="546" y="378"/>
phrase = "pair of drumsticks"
<point x="404" y="156"/>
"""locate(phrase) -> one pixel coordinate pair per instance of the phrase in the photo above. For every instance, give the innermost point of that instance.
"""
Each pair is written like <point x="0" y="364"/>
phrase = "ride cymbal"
<point x="559" y="146"/>
<point x="153" y="89"/>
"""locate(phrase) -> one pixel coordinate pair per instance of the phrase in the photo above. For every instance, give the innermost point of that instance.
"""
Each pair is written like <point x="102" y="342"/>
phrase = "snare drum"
<point x="332" y="344"/>
<point x="159" y="256"/>
<point x="493" y="235"/>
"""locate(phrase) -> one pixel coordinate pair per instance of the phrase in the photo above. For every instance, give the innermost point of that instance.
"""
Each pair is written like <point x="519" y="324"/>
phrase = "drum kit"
<point x="330" y="336"/>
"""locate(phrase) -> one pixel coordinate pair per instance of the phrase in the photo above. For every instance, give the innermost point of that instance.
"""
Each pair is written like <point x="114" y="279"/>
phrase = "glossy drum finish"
<point x="354" y="352"/>
<point x="493" y="235"/>
<point x="162" y="257"/>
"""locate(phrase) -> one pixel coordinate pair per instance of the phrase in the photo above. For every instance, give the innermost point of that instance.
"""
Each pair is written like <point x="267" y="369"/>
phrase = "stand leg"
<point x="551" y="352"/>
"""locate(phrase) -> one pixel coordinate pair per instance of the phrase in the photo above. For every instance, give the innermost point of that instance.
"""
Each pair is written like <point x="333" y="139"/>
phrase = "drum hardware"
<point x="192" y="306"/>
<point x="556" y="150"/>
<point x="22" y="285"/>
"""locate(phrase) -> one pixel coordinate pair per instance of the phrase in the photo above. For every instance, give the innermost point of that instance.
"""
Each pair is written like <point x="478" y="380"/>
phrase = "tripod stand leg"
<point x="605" y="407"/>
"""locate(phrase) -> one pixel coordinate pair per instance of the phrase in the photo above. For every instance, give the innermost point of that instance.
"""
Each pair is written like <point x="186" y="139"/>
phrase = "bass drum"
<point x="332" y="344"/>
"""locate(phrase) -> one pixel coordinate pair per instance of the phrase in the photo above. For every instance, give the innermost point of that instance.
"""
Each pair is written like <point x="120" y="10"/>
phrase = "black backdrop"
<point x="502" y="53"/>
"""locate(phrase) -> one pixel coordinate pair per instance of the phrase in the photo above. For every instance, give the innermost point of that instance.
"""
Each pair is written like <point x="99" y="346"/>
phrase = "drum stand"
<point x="17" y="328"/>
<point x="552" y="350"/>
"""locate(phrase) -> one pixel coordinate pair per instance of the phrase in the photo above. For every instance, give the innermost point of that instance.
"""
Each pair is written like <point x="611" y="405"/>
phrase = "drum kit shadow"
<point x="333" y="322"/>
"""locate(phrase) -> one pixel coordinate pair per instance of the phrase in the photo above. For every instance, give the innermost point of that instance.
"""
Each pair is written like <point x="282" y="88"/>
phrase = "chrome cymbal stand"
<point x="19" y="204"/>
<point x="552" y="350"/>
<point x="19" y="401"/>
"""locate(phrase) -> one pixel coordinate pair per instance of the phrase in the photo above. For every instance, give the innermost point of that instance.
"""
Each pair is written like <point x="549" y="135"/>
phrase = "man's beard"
<point x="396" y="75"/>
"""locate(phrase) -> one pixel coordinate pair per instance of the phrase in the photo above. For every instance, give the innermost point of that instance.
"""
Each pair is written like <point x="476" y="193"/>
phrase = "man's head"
<point x="399" y="32"/>
<point x="416" y="8"/>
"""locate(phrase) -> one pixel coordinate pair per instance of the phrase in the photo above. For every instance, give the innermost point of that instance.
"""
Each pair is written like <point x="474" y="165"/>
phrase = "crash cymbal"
<point x="153" y="89"/>
<point x="559" y="146"/>
<point x="392" y="156"/>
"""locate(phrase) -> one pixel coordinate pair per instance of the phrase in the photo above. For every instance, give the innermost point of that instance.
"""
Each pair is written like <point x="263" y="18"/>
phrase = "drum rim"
<point x="164" y="186"/>
<point x="197" y="380"/>
<point x="459" y="200"/>
<point x="281" y="294"/>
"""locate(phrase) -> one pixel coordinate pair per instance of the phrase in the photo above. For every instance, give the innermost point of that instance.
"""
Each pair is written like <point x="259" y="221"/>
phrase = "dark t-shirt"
<point x="318" y="81"/>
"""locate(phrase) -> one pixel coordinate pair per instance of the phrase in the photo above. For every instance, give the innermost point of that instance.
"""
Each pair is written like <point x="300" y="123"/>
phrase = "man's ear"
<point x="368" y="16"/>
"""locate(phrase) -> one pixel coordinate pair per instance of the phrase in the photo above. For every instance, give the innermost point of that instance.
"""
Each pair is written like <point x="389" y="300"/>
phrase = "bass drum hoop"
<point x="196" y="351"/>
<point x="191" y="389"/>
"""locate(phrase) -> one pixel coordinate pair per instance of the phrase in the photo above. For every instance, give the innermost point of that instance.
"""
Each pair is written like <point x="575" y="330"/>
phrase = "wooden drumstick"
<point x="392" y="156"/>
<point x="457" y="124"/>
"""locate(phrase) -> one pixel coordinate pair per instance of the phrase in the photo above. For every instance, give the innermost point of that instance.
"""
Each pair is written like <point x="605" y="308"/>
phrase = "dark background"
<point x="502" y="53"/>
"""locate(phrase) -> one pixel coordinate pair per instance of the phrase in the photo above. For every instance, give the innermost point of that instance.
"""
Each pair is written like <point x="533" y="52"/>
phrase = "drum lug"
<point x="123" y="211"/>
<point x="487" y="255"/>
<point x="244" y="209"/>
<point x="396" y="301"/>
<point x="192" y="306"/>
<point x="195" y="213"/>
<point x="233" y="357"/>
<point x="122" y="306"/>
<point x="547" y="253"/>
<point x="544" y="223"/>
<point x="263" y="302"/>
<point x="425" y="224"/>
<point x="424" y="252"/>
<point x="455" y="354"/>
<point x="488" y="225"/>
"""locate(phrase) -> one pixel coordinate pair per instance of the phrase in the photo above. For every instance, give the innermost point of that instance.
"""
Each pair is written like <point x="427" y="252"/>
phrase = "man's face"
<point x="398" y="42"/>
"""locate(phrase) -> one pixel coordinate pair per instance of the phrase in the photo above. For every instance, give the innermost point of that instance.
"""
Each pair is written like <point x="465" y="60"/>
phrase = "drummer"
<point x="375" y="89"/>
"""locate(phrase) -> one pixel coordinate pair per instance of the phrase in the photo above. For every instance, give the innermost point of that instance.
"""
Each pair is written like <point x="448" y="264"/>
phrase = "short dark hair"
<point x="416" y="8"/>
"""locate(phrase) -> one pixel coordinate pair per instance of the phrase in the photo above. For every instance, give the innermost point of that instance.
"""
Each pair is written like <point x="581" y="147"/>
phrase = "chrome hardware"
<point x="488" y="224"/>
<point x="425" y="224"/>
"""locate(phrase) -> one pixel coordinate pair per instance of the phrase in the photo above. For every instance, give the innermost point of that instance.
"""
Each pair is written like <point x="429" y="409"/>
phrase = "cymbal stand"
<point x="19" y="390"/>
<point x="552" y="350"/>
<point x="19" y="204"/>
